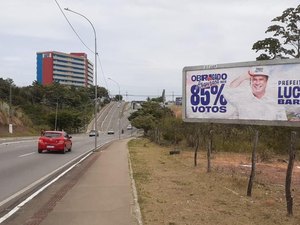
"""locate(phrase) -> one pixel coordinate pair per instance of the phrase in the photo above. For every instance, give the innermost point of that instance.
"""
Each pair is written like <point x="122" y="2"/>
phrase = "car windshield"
<point x="52" y="135"/>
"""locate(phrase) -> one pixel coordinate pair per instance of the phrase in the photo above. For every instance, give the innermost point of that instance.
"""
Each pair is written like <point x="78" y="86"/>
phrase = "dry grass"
<point x="173" y="192"/>
<point x="18" y="131"/>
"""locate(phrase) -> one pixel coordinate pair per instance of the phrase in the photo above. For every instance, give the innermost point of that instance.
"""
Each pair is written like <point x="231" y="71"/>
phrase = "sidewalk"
<point x="102" y="196"/>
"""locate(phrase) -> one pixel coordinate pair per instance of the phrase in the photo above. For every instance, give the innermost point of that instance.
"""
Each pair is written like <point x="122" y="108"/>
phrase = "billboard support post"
<point x="289" y="172"/>
<point x="209" y="149"/>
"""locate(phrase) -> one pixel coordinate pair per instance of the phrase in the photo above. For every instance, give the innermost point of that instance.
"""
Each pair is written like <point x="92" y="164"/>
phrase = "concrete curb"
<point x="136" y="207"/>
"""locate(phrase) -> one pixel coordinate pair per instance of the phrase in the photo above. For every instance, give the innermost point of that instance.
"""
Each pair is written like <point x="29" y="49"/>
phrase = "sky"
<point x="143" y="45"/>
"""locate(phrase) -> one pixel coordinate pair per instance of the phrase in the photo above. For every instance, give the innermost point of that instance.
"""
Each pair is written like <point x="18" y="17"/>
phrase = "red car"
<point x="55" y="141"/>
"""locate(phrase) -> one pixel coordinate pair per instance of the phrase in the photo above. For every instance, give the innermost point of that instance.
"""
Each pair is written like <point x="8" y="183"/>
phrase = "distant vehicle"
<point x="129" y="127"/>
<point x="93" y="133"/>
<point x="111" y="132"/>
<point x="58" y="141"/>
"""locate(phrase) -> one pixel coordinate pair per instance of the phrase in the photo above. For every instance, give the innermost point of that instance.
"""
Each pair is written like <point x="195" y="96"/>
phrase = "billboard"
<point x="259" y="93"/>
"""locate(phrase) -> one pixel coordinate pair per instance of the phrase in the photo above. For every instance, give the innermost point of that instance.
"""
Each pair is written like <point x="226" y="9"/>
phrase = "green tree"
<point x="5" y="85"/>
<point x="146" y="122"/>
<point x="74" y="105"/>
<point x="172" y="129"/>
<point x="286" y="37"/>
<point x="149" y="116"/>
<point x="158" y="99"/>
<point x="118" y="97"/>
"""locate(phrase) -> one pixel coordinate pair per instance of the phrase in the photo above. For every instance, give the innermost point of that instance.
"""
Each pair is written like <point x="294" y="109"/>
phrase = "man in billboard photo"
<point x="251" y="101"/>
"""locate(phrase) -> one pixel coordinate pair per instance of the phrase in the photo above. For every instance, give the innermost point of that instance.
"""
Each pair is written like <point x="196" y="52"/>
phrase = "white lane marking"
<point x="26" y="154"/>
<point x="111" y="118"/>
<point x="14" y="210"/>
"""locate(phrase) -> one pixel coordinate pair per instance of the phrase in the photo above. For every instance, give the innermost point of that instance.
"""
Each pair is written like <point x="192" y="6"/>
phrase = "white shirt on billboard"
<point x="244" y="105"/>
<point x="252" y="102"/>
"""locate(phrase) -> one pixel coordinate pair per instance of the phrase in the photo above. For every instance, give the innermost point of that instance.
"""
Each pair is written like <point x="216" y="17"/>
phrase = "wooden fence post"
<point x="209" y="150"/>
<point x="252" y="175"/>
<point x="289" y="172"/>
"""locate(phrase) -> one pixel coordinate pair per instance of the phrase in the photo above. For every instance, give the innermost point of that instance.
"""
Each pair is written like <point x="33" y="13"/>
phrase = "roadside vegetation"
<point x="164" y="126"/>
<point x="37" y="107"/>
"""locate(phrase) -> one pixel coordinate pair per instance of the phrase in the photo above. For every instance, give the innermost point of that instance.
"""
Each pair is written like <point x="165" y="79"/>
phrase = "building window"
<point x="47" y="55"/>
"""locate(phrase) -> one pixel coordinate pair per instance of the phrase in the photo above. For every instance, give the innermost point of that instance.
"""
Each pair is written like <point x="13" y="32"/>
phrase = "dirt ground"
<point x="172" y="191"/>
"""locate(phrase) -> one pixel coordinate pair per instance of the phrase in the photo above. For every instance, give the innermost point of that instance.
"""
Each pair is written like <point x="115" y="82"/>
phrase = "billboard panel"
<point x="258" y="92"/>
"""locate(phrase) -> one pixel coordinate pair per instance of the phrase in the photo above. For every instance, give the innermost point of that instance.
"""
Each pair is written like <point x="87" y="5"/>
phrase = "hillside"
<point x="22" y="125"/>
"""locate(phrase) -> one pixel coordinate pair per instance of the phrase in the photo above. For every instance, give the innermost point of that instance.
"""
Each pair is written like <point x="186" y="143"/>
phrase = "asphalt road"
<point x="21" y="166"/>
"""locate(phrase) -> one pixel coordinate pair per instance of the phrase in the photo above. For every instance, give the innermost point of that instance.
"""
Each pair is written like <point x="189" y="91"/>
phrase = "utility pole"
<point x="55" y="125"/>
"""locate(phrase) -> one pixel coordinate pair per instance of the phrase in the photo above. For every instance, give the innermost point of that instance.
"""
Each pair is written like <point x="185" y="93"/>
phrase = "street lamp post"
<point x="95" y="75"/>
<point x="55" y="125"/>
<point x="119" y="105"/>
